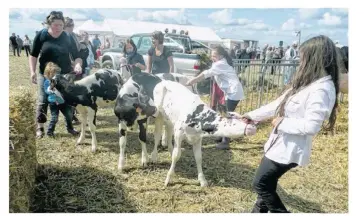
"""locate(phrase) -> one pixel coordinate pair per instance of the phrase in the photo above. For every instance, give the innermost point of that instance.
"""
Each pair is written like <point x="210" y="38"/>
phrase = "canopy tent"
<point x="92" y="28"/>
<point x="128" y="28"/>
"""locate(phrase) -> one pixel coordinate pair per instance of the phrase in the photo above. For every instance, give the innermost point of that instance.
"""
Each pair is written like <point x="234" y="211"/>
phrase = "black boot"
<point x="219" y="139"/>
<point x="50" y="131"/>
<point x="73" y="132"/>
<point x="225" y="144"/>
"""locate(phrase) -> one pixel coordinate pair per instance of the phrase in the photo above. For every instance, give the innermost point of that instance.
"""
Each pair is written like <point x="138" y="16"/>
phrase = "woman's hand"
<point x="246" y="119"/>
<point x="190" y="82"/>
<point x="33" y="77"/>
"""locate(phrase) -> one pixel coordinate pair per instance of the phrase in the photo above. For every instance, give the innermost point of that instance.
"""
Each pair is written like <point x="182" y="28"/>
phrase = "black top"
<point x="13" y="40"/>
<point x="160" y="63"/>
<point x="133" y="59"/>
<point x="55" y="50"/>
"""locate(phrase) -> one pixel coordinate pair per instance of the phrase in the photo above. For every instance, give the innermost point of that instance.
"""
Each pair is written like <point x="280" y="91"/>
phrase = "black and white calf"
<point x="188" y="117"/>
<point x="176" y="77"/>
<point x="133" y="107"/>
<point x="88" y="94"/>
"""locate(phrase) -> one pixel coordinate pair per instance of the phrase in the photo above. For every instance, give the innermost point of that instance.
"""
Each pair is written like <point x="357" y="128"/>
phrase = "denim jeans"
<point x="265" y="184"/>
<point x="42" y="104"/>
<point x="67" y="112"/>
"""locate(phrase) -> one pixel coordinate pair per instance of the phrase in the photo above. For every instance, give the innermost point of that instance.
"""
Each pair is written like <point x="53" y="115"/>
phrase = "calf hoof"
<point x="79" y="141"/>
<point x="166" y="182"/>
<point x="154" y="157"/>
<point x="204" y="183"/>
<point x="145" y="162"/>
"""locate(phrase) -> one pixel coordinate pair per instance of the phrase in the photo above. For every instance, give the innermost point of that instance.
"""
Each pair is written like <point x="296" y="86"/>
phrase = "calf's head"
<point x="134" y="108"/>
<point x="125" y="69"/>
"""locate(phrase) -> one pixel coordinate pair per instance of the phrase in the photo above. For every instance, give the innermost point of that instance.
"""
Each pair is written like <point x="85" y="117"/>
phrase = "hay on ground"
<point x="22" y="149"/>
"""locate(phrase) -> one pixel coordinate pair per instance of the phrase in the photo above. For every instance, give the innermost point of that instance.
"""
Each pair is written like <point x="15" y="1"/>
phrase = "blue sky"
<point x="266" y="25"/>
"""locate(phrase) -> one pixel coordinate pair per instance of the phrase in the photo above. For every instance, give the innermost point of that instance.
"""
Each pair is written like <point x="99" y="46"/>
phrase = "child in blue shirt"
<point x="56" y="102"/>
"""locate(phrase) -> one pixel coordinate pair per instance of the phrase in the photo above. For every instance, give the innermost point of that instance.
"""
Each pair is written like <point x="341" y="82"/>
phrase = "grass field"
<point x="72" y="179"/>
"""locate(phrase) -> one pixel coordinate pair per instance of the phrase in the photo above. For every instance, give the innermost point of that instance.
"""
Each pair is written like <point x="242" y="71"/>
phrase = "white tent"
<point x="92" y="28"/>
<point x="127" y="28"/>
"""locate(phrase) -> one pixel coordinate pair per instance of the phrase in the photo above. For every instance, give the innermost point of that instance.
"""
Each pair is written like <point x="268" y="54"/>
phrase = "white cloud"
<point x="308" y="13"/>
<point x="257" y="26"/>
<point x="289" y="25"/>
<point x="164" y="16"/>
<point x="223" y="17"/>
<point x="330" y="20"/>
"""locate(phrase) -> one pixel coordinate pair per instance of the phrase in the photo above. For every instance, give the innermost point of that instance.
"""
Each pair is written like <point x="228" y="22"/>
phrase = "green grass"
<point x="72" y="179"/>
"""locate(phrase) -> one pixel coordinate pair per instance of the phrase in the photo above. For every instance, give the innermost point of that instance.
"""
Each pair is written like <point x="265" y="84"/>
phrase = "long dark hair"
<point x="318" y="58"/>
<point x="222" y="52"/>
<point x="131" y="42"/>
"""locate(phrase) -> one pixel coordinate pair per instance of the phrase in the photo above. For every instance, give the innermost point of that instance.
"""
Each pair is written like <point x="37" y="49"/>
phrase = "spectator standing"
<point x="14" y="44"/>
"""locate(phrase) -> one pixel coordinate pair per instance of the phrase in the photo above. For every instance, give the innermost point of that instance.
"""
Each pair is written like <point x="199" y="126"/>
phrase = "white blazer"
<point x="305" y="113"/>
<point x="226" y="78"/>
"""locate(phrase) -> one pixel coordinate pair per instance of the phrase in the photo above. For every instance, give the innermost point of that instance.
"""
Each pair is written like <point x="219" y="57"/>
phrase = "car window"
<point x="136" y="40"/>
<point x="146" y="43"/>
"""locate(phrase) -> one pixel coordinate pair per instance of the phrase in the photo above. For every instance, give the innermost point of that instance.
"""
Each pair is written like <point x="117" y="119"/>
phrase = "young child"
<point x="228" y="88"/>
<point x="56" y="102"/>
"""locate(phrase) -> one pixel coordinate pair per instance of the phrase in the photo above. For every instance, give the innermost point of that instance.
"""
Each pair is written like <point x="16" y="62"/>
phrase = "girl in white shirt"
<point x="226" y="78"/>
<point x="300" y="113"/>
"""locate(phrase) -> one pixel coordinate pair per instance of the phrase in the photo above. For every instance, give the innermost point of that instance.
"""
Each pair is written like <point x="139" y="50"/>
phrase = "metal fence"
<point x="263" y="81"/>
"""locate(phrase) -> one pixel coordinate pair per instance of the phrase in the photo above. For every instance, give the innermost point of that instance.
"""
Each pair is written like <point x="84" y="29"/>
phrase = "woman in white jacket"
<point x="227" y="80"/>
<point x="300" y="113"/>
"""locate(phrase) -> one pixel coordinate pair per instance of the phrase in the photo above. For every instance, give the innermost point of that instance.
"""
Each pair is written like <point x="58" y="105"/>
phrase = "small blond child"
<point x="56" y="102"/>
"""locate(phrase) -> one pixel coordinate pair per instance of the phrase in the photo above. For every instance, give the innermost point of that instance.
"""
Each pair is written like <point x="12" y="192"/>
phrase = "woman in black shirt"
<point x="132" y="57"/>
<point x="160" y="59"/>
<point x="53" y="45"/>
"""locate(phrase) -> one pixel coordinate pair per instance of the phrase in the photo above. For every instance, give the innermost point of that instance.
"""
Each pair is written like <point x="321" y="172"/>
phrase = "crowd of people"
<point x="298" y="114"/>
<point x="17" y="44"/>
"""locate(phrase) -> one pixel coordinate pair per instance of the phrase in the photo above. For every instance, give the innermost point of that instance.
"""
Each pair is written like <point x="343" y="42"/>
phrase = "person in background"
<point x="132" y="57"/>
<point x="69" y="27"/>
<point x="298" y="114"/>
<point x="26" y="45"/>
<point x="89" y="57"/>
<point x="258" y="52"/>
<point x="52" y="44"/>
<point x="56" y="102"/>
<point x="160" y="59"/>
<point x="290" y="55"/>
<point x="19" y="41"/>
<point x="14" y="44"/>
<point x="107" y="44"/>
<point x="233" y="51"/>
<point x="96" y="42"/>
<point x="98" y="53"/>
<point x="275" y="59"/>
<point x="228" y="82"/>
